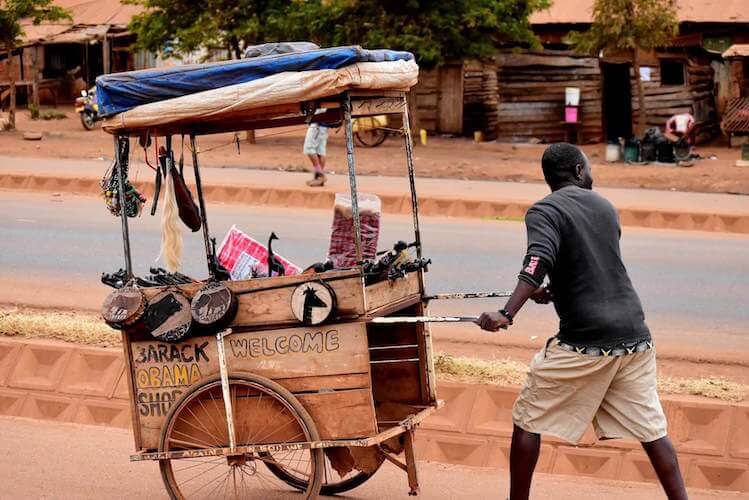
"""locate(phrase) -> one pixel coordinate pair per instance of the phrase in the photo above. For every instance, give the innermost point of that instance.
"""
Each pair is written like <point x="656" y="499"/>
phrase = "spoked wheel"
<point x="264" y="413"/>
<point x="88" y="120"/>
<point x="332" y="482"/>
<point x="371" y="137"/>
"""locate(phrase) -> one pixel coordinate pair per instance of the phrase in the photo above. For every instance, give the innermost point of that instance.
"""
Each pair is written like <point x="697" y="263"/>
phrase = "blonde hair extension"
<point x="171" y="236"/>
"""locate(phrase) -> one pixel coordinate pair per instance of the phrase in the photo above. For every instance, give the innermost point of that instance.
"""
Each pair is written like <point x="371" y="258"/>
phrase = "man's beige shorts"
<point x="566" y="390"/>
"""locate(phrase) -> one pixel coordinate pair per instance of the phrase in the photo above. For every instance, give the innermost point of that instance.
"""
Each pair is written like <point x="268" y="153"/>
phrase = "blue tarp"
<point x="119" y="92"/>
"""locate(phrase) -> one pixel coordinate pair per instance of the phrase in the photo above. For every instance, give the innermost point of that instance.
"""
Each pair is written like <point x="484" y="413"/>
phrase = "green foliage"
<point x="213" y="24"/>
<point x="628" y="25"/>
<point x="34" y="111"/>
<point x="13" y="11"/>
<point x="434" y="30"/>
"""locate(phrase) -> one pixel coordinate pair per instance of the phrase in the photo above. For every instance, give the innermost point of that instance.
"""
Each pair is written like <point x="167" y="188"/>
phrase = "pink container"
<point x="570" y="114"/>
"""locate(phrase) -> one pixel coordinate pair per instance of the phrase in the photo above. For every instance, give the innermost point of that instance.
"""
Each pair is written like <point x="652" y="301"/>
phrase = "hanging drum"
<point x="214" y="305"/>
<point x="313" y="303"/>
<point x="168" y="316"/>
<point x="123" y="307"/>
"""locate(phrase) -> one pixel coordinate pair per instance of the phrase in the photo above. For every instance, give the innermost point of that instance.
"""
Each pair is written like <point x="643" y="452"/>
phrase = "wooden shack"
<point x="458" y="98"/>
<point x="531" y="90"/>
<point x="736" y="118"/>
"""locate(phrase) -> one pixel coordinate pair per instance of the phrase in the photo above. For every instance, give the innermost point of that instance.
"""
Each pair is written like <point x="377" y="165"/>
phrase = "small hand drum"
<point x="168" y="316"/>
<point x="214" y="305"/>
<point x="123" y="307"/>
<point x="313" y="302"/>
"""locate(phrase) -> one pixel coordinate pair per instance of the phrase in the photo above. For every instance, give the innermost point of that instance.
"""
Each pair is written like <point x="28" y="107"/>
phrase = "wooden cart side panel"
<point x="269" y="302"/>
<point x="342" y="414"/>
<point x="388" y="296"/>
<point x="274" y="306"/>
<point x="328" y="357"/>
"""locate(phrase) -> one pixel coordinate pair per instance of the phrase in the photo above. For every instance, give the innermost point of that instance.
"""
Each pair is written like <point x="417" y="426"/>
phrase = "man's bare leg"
<point x="663" y="457"/>
<point x="314" y="159"/>
<point x="523" y="458"/>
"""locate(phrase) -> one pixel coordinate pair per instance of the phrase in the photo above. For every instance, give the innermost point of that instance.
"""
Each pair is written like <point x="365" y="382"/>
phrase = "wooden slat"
<point x="326" y="382"/>
<point x="342" y="414"/>
<point x="387" y="293"/>
<point x="379" y="106"/>
<point x="270" y="301"/>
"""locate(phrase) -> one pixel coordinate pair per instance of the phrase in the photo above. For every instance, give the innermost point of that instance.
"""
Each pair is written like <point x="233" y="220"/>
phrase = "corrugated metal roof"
<point x="87" y="15"/>
<point x="699" y="11"/>
<point x="738" y="50"/>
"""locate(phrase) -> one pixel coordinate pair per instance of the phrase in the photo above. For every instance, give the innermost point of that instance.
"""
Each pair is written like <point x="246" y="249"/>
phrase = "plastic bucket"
<point x="613" y="152"/>
<point x="632" y="152"/>
<point x="571" y="96"/>
<point x="570" y="114"/>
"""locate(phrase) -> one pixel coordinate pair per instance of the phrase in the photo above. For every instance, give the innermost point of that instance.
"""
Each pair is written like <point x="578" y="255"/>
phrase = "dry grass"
<point x="70" y="327"/>
<point x="712" y="387"/>
<point x="459" y="369"/>
<point x="90" y="329"/>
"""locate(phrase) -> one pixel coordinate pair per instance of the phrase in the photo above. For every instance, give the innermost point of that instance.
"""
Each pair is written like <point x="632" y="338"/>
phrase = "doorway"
<point x="617" y="101"/>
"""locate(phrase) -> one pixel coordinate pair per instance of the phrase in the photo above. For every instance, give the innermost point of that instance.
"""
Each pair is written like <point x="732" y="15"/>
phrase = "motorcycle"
<point x="88" y="108"/>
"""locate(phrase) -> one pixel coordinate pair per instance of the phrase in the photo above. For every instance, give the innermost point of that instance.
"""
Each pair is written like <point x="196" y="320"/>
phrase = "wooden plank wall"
<point x="694" y="97"/>
<point x="480" y="98"/>
<point x="425" y="96"/>
<point x="531" y="94"/>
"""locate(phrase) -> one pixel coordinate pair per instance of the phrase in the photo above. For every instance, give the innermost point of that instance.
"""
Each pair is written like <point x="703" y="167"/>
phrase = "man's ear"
<point x="579" y="169"/>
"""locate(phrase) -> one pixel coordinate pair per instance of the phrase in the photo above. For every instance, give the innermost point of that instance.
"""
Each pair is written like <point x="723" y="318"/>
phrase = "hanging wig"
<point x="171" y="236"/>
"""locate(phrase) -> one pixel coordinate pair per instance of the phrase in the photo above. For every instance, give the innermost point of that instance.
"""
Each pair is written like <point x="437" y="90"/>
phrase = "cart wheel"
<point x="371" y="138"/>
<point x="264" y="413"/>
<point x="332" y="483"/>
<point x="88" y="120"/>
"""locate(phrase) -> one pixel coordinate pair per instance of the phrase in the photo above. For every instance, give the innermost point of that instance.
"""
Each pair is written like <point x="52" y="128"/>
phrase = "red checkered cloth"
<point x="342" y="249"/>
<point x="240" y="254"/>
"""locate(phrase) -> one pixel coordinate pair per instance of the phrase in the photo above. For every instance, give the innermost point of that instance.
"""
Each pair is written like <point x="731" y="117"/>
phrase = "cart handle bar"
<point x="470" y="295"/>
<point x="424" y="319"/>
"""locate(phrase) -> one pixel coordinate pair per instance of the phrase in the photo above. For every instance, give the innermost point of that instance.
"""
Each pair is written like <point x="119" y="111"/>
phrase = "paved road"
<point x="52" y="460"/>
<point x="693" y="285"/>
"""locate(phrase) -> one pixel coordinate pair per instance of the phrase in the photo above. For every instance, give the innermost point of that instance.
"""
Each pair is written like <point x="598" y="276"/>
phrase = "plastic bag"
<point x="342" y="249"/>
<point x="243" y="256"/>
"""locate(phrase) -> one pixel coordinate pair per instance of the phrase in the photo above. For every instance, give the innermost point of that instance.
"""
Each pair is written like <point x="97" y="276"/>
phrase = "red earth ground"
<point x="444" y="157"/>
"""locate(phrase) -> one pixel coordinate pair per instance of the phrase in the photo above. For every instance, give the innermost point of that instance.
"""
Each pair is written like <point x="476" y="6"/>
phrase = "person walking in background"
<point x="600" y="366"/>
<point x="315" y="145"/>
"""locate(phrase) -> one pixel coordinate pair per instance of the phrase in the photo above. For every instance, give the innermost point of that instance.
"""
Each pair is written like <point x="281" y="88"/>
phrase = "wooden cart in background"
<point x="268" y="402"/>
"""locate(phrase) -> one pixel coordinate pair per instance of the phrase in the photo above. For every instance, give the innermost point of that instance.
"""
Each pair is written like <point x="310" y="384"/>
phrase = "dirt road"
<point x="694" y="304"/>
<point x="52" y="460"/>
<point x="457" y="158"/>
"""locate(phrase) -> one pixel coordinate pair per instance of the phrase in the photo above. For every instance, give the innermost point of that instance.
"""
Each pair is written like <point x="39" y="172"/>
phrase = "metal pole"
<point x="411" y="178"/>
<point x="201" y="202"/>
<point x="122" y="151"/>
<point x="352" y="176"/>
<point x="226" y="390"/>
<point x="470" y="295"/>
<point x="389" y="320"/>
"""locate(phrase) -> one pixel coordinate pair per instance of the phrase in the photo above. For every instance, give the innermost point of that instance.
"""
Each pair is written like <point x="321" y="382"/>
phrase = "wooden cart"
<point x="265" y="405"/>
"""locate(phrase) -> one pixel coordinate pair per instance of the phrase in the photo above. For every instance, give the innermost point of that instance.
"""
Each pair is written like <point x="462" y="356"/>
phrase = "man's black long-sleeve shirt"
<point x="575" y="232"/>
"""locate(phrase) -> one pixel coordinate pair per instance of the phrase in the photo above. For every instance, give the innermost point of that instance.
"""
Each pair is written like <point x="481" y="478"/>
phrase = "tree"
<point x="434" y="30"/>
<point x="12" y="12"/>
<point x="186" y="25"/>
<point x="629" y="25"/>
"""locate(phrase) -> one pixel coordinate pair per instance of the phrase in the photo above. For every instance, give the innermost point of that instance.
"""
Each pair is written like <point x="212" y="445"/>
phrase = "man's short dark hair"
<point x="560" y="161"/>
